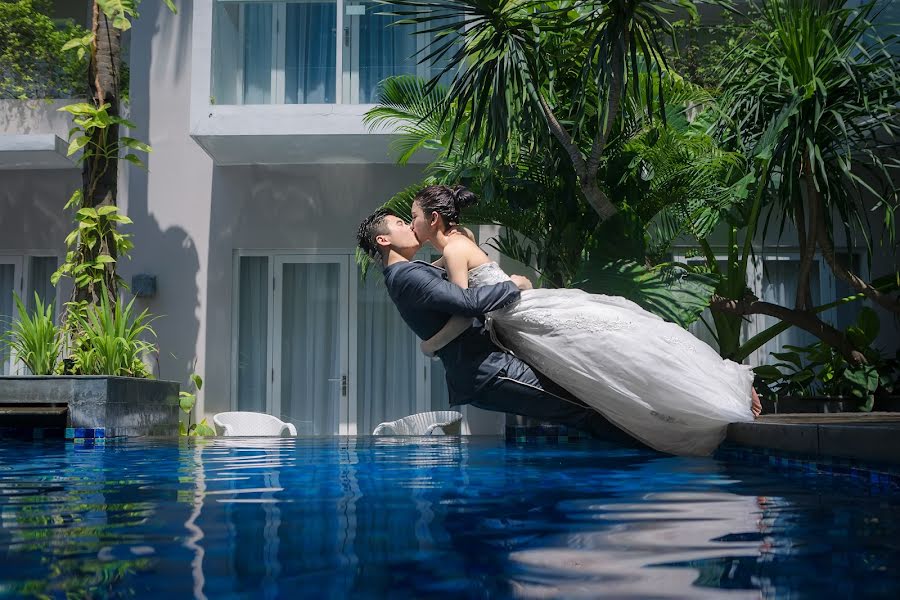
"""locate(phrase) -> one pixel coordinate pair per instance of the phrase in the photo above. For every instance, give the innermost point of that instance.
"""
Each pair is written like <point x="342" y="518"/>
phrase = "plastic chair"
<point x="252" y="424"/>
<point x="423" y="424"/>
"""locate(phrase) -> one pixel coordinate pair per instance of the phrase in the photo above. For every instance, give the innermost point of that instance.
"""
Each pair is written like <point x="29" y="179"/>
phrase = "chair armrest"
<point x="289" y="427"/>
<point x="431" y="428"/>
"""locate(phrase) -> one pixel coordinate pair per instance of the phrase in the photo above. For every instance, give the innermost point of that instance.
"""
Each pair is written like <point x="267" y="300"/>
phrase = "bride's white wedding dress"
<point x="652" y="378"/>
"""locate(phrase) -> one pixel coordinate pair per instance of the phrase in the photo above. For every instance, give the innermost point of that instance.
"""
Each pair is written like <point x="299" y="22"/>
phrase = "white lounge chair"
<point x="449" y="421"/>
<point x="252" y="424"/>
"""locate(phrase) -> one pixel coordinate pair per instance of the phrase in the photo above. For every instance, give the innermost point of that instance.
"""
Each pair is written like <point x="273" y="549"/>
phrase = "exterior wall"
<point x="190" y="215"/>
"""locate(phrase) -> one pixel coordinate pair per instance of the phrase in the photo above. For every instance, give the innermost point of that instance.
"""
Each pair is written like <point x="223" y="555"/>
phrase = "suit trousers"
<point x="522" y="390"/>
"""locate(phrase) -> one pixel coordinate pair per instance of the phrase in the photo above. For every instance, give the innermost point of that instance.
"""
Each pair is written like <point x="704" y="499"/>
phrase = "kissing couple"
<point x="601" y="364"/>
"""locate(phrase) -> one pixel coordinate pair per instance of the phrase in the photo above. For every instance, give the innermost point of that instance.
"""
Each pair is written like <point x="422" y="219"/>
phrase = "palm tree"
<point x="534" y="195"/>
<point x="556" y="69"/>
<point x="821" y="69"/>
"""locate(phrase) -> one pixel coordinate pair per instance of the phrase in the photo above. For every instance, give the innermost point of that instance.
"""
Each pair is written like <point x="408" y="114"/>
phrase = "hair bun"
<point x="462" y="197"/>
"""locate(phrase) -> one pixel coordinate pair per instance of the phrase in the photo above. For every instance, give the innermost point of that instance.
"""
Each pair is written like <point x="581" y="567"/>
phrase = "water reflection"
<point x="437" y="517"/>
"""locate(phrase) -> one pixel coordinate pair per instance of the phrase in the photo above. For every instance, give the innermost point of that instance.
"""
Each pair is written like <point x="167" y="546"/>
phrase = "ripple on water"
<point x="437" y="517"/>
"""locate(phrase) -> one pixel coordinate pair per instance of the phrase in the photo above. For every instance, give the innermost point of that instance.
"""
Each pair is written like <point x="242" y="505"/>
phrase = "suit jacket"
<point x="426" y="301"/>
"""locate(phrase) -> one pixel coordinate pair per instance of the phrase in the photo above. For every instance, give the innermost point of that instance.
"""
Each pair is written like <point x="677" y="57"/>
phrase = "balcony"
<point x="289" y="82"/>
<point x="33" y="134"/>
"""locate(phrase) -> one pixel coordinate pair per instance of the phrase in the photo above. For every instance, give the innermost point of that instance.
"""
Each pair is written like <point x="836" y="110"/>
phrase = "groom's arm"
<point x="438" y="294"/>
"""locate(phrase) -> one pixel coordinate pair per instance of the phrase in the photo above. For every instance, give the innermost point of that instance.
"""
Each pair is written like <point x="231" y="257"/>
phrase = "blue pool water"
<point x="430" y="518"/>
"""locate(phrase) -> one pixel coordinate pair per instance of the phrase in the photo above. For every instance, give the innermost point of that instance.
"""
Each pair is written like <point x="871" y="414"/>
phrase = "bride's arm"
<point x="456" y="263"/>
<point x="451" y="330"/>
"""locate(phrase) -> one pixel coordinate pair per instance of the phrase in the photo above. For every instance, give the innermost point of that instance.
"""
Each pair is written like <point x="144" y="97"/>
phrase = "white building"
<point x="260" y="174"/>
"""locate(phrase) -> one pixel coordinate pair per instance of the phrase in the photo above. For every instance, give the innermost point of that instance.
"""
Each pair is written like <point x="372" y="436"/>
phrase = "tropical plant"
<point x="34" y="338"/>
<point x="547" y="225"/>
<point x="557" y="69"/>
<point x="815" y="90"/>
<point x="110" y="341"/>
<point x="30" y="61"/>
<point x="818" y="369"/>
<point x="186" y="401"/>
<point x="96" y="136"/>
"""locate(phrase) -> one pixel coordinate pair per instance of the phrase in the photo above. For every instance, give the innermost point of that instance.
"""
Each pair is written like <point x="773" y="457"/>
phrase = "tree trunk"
<point x="888" y="302"/>
<point x="807" y="240"/>
<point x="802" y="319"/>
<point x="100" y="171"/>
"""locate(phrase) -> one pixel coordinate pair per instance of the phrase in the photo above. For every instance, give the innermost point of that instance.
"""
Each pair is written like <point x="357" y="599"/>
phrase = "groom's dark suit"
<point x="478" y="372"/>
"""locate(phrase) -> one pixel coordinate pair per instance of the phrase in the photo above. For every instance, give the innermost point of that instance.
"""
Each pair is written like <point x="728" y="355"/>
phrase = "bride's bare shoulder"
<point x="461" y="245"/>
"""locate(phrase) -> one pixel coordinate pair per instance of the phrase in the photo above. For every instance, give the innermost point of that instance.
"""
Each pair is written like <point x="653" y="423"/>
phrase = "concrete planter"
<point x="98" y="406"/>
<point x="826" y="404"/>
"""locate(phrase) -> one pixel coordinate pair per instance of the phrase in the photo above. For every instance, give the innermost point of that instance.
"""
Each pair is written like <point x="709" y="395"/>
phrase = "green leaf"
<point x="77" y="144"/>
<point x="670" y="292"/>
<point x="171" y="5"/>
<point x="204" y="430"/>
<point x="868" y="324"/>
<point x="865" y="377"/>
<point x="74" y="199"/>
<point x="186" y="401"/>
<point x="135" y="144"/>
<point x="107" y="209"/>
<point x="768" y="372"/>
<point x="79" y="108"/>
<point x="198" y="381"/>
<point x="133" y="159"/>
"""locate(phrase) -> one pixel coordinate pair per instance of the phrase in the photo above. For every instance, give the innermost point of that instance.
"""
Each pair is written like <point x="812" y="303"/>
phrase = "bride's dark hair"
<point x="447" y="201"/>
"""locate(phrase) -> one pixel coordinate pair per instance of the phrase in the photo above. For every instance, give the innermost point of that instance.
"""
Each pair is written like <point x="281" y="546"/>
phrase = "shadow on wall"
<point x="168" y="252"/>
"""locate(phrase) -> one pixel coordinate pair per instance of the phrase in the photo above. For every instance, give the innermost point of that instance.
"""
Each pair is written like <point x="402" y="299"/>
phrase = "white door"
<point x="10" y="281"/>
<point x="311" y="343"/>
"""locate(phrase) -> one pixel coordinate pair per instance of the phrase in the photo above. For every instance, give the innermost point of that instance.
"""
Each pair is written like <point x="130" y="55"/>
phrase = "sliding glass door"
<point x="319" y="347"/>
<point x="311" y="356"/>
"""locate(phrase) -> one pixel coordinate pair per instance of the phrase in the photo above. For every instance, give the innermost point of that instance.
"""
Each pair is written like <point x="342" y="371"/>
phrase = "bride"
<point x="651" y="378"/>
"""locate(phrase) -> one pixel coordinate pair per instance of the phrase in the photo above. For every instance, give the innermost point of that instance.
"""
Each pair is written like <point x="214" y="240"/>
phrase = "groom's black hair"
<point x="371" y="227"/>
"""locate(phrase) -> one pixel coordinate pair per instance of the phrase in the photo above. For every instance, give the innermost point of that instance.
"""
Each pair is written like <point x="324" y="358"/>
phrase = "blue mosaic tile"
<point x="70" y="433"/>
<point x="879" y="477"/>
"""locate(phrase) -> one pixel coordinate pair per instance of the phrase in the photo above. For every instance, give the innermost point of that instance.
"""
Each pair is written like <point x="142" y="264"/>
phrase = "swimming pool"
<point x="438" y="517"/>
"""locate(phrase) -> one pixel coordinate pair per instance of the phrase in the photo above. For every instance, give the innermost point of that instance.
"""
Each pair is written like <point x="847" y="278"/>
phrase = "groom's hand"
<point x="521" y="282"/>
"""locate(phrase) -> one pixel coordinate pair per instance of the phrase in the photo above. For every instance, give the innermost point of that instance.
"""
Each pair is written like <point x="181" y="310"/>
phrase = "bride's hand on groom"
<point x="521" y="282"/>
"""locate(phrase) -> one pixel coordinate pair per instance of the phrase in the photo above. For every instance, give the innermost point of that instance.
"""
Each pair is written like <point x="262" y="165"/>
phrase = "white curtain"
<point x="384" y="51"/>
<point x="253" y="324"/>
<point x="7" y="309"/>
<point x="310" y="54"/>
<point x="41" y="269"/>
<point x="386" y="358"/>
<point x="779" y="286"/>
<point x="258" y="39"/>
<point x="310" y="347"/>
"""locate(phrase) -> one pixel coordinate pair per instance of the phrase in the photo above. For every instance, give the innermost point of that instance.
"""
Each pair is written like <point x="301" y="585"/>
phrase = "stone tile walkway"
<point x="871" y="437"/>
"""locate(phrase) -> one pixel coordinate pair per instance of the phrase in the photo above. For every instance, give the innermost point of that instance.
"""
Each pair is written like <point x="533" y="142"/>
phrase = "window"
<point x="309" y="51"/>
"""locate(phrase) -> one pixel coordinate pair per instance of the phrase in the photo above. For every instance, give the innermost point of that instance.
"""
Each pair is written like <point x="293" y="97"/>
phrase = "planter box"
<point x="826" y="404"/>
<point x="105" y="406"/>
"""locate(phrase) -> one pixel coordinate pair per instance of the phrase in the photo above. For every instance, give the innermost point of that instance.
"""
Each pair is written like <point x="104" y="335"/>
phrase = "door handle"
<point x="343" y="380"/>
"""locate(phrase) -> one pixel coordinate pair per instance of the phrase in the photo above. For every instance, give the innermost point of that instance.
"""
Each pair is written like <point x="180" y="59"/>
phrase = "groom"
<point x="478" y="372"/>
